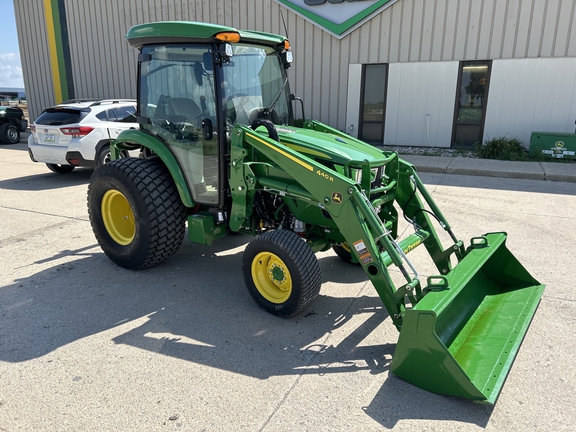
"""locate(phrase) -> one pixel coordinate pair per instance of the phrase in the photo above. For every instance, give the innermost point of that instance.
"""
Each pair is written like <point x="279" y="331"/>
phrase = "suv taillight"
<point x="77" y="132"/>
<point x="32" y="129"/>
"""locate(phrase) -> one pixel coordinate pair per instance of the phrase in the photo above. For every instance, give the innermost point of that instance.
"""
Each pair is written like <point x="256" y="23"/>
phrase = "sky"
<point x="10" y="66"/>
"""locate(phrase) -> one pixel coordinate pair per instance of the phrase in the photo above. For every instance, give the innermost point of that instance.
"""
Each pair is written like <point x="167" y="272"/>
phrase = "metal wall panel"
<point x="531" y="95"/>
<point x="354" y="99"/>
<point x="420" y="105"/>
<point x="104" y="65"/>
<point x="33" y="43"/>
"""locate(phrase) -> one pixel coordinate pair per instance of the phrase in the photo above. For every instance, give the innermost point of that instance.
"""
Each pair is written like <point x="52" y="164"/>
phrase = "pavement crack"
<point x="310" y="361"/>
<point x="558" y="298"/>
<point x="84" y="219"/>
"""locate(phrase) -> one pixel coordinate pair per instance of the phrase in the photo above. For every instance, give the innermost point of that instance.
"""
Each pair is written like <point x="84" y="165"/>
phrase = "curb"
<point x="550" y="171"/>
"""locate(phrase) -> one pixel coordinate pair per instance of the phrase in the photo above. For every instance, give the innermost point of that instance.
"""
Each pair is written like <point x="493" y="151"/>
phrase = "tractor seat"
<point x="184" y="107"/>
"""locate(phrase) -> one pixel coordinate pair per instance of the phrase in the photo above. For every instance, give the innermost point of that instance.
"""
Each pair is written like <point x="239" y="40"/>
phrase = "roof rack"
<point x="96" y="102"/>
<point x="69" y="101"/>
<point x="112" y="101"/>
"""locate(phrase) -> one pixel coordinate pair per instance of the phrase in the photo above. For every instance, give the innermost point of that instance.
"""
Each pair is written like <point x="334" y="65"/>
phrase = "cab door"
<point x="177" y="103"/>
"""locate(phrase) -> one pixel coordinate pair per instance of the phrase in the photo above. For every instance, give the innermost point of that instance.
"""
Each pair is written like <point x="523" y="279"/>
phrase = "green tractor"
<point x="221" y="152"/>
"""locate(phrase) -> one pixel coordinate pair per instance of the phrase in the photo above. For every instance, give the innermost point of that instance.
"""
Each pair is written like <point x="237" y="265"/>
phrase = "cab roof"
<point x="188" y="31"/>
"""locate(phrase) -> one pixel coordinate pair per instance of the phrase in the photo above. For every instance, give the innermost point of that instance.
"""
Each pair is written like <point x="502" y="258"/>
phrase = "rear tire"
<point x="345" y="253"/>
<point x="135" y="212"/>
<point x="60" y="169"/>
<point x="9" y="133"/>
<point x="281" y="272"/>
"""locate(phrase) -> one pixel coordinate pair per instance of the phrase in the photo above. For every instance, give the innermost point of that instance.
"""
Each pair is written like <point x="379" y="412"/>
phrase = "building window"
<point x="471" y="98"/>
<point x="373" y="103"/>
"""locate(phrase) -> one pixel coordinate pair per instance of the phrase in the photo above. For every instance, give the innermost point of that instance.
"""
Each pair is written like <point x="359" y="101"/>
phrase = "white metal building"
<point x="405" y="72"/>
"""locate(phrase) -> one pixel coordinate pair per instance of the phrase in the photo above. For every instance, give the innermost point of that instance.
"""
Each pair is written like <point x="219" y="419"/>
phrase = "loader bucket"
<point x="462" y="337"/>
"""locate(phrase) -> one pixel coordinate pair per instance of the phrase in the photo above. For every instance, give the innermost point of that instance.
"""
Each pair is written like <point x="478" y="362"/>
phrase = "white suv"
<point x="78" y="133"/>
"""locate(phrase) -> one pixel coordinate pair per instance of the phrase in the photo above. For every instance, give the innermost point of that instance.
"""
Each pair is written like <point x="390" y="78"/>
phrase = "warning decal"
<point x="365" y="256"/>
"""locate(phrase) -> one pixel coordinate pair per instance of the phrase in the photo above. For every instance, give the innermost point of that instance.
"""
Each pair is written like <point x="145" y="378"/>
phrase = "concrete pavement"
<point x="86" y="345"/>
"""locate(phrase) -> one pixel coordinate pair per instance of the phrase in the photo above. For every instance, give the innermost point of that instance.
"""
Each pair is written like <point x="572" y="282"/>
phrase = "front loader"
<point x="222" y="153"/>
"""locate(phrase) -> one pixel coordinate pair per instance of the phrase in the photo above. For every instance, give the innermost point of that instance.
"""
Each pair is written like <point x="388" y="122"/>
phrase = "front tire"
<point x="281" y="272"/>
<point x="135" y="212"/>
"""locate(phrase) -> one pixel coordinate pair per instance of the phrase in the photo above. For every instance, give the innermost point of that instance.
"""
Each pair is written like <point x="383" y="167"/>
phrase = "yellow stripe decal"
<point x="308" y="151"/>
<point x="283" y="153"/>
<point x="51" y="33"/>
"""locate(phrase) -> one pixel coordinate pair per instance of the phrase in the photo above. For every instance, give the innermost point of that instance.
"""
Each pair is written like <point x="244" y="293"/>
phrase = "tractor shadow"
<point x="195" y="307"/>
<point x="48" y="181"/>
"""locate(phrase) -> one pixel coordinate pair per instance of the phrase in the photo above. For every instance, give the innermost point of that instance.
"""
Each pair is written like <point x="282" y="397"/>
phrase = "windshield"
<point x="254" y="85"/>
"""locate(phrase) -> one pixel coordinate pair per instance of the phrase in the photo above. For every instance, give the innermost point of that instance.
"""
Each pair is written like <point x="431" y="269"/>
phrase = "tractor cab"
<point x="192" y="94"/>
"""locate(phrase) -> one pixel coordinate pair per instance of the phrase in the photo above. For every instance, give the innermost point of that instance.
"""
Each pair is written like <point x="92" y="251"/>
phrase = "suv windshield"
<point x="255" y="83"/>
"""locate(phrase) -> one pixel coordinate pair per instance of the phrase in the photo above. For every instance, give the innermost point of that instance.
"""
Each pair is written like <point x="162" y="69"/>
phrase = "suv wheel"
<point x="60" y="169"/>
<point x="104" y="155"/>
<point x="9" y="134"/>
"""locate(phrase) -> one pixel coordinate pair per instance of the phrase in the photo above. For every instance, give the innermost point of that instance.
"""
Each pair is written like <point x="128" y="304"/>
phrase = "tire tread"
<point x="304" y="260"/>
<point x="166" y="212"/>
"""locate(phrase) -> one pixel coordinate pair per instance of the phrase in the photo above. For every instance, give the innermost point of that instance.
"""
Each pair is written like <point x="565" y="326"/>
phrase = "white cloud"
<point x="11" y="70"/>
<point x="8" y="57"/>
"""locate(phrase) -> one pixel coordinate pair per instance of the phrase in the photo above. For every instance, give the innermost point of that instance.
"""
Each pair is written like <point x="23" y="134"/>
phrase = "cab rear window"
<point x="60" y="116"/>
<point x="125" y="114"/>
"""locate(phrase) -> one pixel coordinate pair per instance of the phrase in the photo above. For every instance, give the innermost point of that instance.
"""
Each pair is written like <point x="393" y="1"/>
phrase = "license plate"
<point x="49" y="138"/>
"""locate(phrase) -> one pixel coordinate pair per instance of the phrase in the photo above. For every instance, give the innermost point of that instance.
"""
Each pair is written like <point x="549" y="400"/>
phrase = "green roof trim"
<point x="182" y="31"/>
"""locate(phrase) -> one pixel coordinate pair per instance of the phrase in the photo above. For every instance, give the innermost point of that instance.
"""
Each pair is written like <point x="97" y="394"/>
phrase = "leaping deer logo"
<point x="337" y="197"/>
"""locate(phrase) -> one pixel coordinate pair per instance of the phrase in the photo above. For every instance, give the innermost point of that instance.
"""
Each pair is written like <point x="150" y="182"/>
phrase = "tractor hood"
<point x="337" y="147"/>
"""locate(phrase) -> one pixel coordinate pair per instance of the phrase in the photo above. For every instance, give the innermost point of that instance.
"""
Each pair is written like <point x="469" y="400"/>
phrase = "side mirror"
<point x="207" y="60"/>
<point x="293" y="97"/>
<point x="207" y="130"/>
<point x="198" y="73"/>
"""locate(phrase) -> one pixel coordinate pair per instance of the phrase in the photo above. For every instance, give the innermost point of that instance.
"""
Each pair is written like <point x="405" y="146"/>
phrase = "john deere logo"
<point x="338" y="17"/>
<point x="559" y="143"/>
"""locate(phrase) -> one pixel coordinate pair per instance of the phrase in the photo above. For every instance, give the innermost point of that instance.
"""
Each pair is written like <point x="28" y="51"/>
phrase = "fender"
<point x="101" y="143"/>
<point x="127" y="139"/>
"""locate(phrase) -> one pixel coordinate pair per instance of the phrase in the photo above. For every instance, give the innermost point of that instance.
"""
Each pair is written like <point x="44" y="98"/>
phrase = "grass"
<point x="503" y="148"/>
<point x="512" y="149"/>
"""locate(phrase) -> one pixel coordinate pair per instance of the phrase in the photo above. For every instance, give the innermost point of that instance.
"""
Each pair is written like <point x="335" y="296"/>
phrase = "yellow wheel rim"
<point x="271" y="277"/>
<point x="346" y="247"/>
<point x="118" y="217"/>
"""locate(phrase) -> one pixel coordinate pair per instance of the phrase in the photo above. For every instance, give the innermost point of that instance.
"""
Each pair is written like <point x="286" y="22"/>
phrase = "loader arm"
<point x="460" y="333"/>
<point x="345" y="201"/>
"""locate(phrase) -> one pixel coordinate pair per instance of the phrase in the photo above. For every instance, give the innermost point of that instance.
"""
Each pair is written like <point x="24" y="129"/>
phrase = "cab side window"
<point x="177" y="97"/>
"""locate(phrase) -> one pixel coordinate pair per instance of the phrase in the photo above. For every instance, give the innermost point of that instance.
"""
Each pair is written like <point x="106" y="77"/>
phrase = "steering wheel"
<point x="175" y="118"/>
<point x="236" y="95"/>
